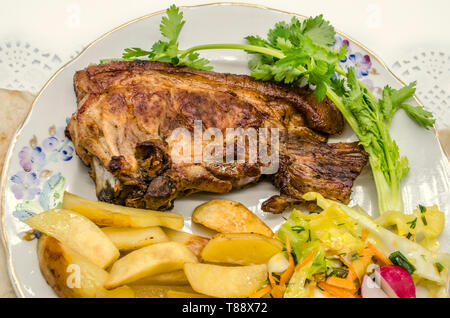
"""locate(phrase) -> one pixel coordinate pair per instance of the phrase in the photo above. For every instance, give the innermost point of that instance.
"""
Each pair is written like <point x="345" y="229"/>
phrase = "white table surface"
<point x="396" y="30"/>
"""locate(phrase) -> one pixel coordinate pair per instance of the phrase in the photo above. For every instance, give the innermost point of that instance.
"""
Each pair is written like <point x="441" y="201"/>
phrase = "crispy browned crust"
<point x="127" y="111"/>
<point x="323" y="116"/>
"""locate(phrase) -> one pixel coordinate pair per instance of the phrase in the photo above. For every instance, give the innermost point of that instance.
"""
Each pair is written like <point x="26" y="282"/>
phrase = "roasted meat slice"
<point x="129" y="113"/>
<point x="308" y="166"/>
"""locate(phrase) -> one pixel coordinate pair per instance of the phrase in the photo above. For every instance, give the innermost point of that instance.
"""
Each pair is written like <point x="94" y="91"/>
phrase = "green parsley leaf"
<point x="132" y="53"/>
<point x="420" y="115"/>
<point x="194" y="61"/>
<point x="319" y="31"/>
<point x="172" y="24"/>
<point x="413" y="223"/>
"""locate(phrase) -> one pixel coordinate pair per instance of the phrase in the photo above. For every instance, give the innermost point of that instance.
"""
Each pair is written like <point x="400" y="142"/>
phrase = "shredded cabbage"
<point x="422" y="226"/>
<point x="388" y="242"/>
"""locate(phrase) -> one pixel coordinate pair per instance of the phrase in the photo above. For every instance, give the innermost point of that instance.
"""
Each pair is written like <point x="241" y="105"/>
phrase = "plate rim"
<point x="9" y="262"/>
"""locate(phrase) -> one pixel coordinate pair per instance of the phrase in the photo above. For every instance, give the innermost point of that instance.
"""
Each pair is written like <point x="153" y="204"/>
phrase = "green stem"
<point x="389" y="196"/>
<point x="345" y="112"/>
<point x="340" y="71"/>
<point x="246" y="47"/>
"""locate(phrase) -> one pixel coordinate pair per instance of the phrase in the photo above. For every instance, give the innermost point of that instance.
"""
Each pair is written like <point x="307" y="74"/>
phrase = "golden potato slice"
<point x="171" y="278"/>
<point x="226" y="216"/>
<point x="241" y="249"/>
<point x="194" y="242"/>
<point x="70" y="274"/>
<point x="225" y="281"/>
<point x="106" y="214"/>
<point x="158" y="291"/>
<point x="78" y="233"/>
<point x="128" y="239"/>
<point x="150" y="260"/>
<point x="119" y="292"/>
<point x="182" y="294"/>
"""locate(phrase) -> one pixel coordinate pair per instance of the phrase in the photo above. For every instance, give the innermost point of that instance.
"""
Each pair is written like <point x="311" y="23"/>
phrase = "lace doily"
<point x="431" y="70"/>
<point x="26" y="67"/>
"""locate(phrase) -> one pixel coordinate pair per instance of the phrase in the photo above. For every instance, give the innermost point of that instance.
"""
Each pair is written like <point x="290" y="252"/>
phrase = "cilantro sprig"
<point x="167" y="50"/>
<point x="299" y="53"/>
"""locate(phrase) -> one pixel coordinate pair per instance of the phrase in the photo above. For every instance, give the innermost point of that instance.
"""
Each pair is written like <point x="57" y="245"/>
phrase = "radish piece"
<point x="395" y="281"/>
<point x="371" y="289"/>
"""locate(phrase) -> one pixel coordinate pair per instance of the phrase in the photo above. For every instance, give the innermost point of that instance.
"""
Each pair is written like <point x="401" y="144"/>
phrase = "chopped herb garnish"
<point x="298" y="229"/>
<point x="397" y="258"/>
<point x="339" y="272"/>
<point x="355" y="256"/>
<point x="409" y="236"/>
<point x="422" y="208"/>
<point x="412" y="224"/>
<point x="439" y="267"/>
<point x="424" y="220"/>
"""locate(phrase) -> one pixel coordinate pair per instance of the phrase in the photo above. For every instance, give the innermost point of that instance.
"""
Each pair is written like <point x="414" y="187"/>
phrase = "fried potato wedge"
<point x="78" y="233"/>
<point x="182" y="294"/>
<point x="70" y="274"/>
<point x="241" y="249"/>
<point x="194" y="242"/>
<point x="225" y="281"/>
<point x="158" y="291"/>
<point x="106" y="214"/>
<point x="227" y="216"/>
<point x="150" y="260"/>
<point x="170" y="278"/>
<point x="128" y="239"/>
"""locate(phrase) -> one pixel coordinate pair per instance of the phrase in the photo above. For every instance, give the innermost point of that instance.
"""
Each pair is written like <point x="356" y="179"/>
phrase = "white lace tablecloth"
<point x="38" y="37"/>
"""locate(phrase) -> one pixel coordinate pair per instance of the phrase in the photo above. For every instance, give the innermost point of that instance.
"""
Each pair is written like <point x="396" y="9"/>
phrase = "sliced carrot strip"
<point x="379" y="256"/>
<point x="364" y="259"/>
<point x="288" y="244"/>
<point x="341" y="283"/>
<point x="336" y="291"/>
<point x="286" y="276"/>
<point x="306" y="260"/>
<point x="278" y="291"/>
<point x="262" y="292"/>
<point x="351" y="271"/>
<point x="364" y="234"/>
<point x="272" y="281"/>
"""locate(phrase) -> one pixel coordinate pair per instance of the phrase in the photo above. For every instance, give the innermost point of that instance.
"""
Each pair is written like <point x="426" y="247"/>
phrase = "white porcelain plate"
<point x="40" y="157"/>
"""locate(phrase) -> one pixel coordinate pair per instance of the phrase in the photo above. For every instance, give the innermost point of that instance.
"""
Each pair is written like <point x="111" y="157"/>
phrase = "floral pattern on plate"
<point x="362" y="63"/>
<point x="36" y="186"/>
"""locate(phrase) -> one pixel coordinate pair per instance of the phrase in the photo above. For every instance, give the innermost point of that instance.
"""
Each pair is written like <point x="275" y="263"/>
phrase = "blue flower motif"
<point x="25" y="185"/>
<point x="50" y="144"/>
<point x="32" y="159"/>
<point x="66" y="152"/>
<point x="361" y="63"/>
<point x="340" y="42"/>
